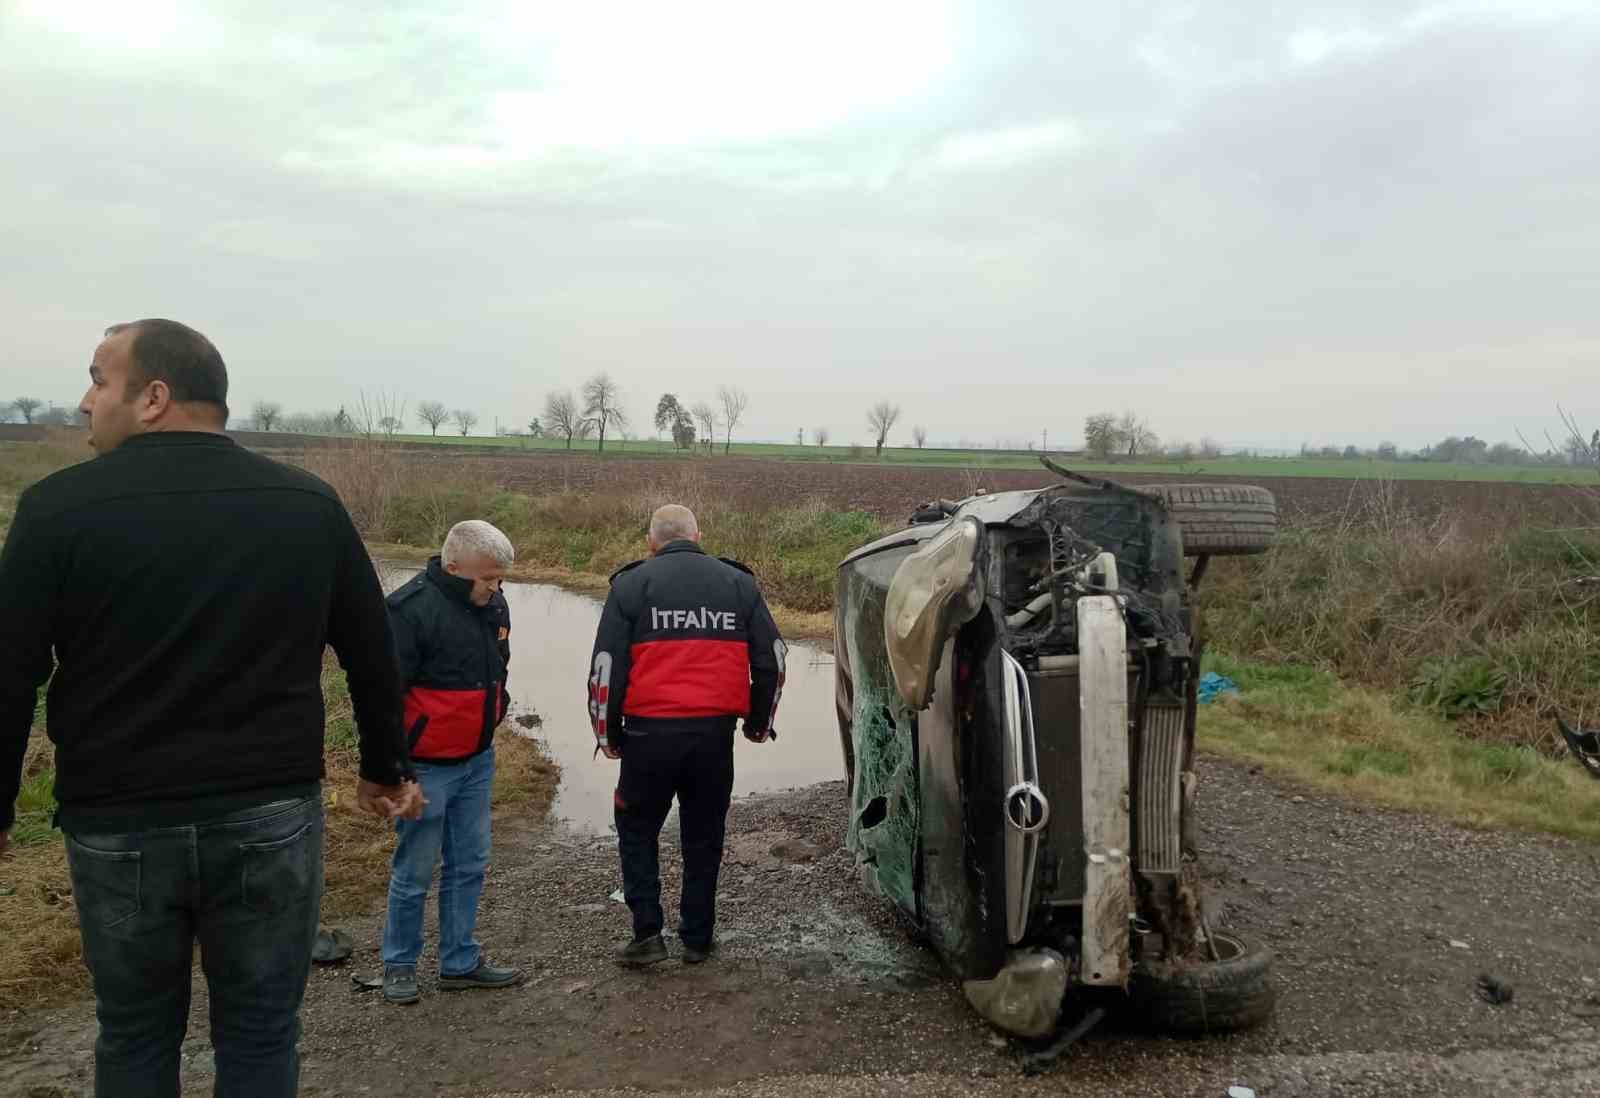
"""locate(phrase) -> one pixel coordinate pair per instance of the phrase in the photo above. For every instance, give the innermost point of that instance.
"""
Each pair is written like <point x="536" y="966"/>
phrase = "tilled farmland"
<point x="891" y="492"/>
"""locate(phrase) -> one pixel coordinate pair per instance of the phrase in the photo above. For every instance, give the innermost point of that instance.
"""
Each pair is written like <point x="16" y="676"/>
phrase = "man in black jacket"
<point x="685" y="647"/>
<point x="452" y="629"/>
<point x="182" y="590"/>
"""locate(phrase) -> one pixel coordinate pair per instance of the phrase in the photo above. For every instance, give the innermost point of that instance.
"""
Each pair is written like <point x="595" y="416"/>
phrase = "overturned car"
<point x="1016" y="691"/>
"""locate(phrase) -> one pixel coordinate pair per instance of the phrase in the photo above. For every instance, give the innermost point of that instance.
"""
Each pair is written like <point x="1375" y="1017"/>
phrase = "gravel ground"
<point x="1381" y="924"/>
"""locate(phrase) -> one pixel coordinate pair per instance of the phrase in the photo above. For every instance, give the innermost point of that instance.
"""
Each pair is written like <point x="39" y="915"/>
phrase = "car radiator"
<point x="1159" y="818"/>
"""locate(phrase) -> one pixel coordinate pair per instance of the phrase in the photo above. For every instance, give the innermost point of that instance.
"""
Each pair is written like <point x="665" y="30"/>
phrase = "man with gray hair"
<point x="686" y="646"/>
<point x="452" y="632"/>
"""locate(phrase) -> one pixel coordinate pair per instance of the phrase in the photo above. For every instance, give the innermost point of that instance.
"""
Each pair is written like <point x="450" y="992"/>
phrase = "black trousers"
<point x="697" y="768"/>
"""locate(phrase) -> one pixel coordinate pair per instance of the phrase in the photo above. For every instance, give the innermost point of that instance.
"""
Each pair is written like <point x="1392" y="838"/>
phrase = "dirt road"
<point x="1381" y="924"/>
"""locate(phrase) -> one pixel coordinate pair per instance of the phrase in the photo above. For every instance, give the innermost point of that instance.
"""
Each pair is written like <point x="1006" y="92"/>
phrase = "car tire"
<point x="1201" y="997"/>
<point x="1220" y="519"/>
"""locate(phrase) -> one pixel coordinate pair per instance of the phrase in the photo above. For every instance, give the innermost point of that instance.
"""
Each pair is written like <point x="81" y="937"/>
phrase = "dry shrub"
<point x="404" y="497"/>
<point x="1488" y="623"/>
<point x="408" y="496"/>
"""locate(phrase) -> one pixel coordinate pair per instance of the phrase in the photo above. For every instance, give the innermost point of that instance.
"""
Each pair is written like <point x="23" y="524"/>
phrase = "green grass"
<point x="1303" y="724"/>
<point x="1353" y="469"/>
<point x="36" y="803"/>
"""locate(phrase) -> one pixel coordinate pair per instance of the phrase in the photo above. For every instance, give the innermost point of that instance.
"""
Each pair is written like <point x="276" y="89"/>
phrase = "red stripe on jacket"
<point x="453" y="725"/>
<point x="689" y="678"/>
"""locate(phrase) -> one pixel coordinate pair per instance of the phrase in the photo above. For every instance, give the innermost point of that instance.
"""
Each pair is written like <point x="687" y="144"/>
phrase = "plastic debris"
<point x="1241" y="1092"/>
<point x="618" y="897"/>
<point x="1024" y="997"/>
<point x="1214" y="686"/>
<point x="1456" y="943"/>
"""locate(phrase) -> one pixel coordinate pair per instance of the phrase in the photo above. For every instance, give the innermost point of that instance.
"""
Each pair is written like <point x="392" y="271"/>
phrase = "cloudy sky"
<point x="1268" y="223"/>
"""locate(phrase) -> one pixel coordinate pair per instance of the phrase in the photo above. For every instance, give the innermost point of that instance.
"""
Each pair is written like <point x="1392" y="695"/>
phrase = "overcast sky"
<point x="1268" y="223"/>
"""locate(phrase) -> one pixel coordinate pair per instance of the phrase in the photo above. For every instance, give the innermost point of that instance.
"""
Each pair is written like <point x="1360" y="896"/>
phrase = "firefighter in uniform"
<point x="686" y="646"/>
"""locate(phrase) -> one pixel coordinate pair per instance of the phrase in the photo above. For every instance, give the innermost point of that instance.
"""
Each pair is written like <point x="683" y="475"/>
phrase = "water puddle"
<point x="552" y="635"/>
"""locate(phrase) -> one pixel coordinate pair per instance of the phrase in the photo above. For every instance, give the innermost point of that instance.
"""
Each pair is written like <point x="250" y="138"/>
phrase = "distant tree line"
<point x="596" y="411"/>
<point x="35" y="411"/>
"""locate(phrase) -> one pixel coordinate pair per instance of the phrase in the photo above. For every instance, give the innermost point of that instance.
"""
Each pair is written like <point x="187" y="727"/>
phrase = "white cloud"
<point x="1314" y="45"/>
<point x="1001" y="212"/>
<point x="1009" y="147"/>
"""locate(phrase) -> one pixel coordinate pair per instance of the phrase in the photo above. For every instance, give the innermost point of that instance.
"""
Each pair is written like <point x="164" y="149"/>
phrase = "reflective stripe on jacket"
<point x="685" y="642"/>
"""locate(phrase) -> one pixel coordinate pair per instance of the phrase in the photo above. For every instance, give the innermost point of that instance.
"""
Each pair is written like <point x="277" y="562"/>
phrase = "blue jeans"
<point x="248" y="887"/>
<point x="456" y="824"/>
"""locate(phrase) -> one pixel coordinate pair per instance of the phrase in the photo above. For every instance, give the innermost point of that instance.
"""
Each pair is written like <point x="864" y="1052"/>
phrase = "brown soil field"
<point x="892" y="492"/>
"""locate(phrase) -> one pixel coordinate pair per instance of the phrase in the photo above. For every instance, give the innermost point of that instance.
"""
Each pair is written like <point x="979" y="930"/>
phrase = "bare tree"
<point x="1100" y="435"/>
<point x="706" y="416"/>
<point x="1210" y="449"/>
<point x="820" y="434"/>
<point x="734" y="402"/>
<point x="371" y="412"/>
<point x="26" y="406"/>
<point x="562" y="418"/>
<point x="434" y="414"/>
<point x="1136" y="436"/>
<point x="390" y="426"/>
<point x="919" y="435"/>
<point x="602" y="404"/>
<point x="465" y="421"/>
<point x="266" y="414"/>
<point x="881" y="417"/>
<point x="53" y="416"/>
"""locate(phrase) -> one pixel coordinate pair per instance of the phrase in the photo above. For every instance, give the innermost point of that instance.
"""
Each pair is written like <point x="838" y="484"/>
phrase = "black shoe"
<point x="400" y="984"/>
<point x="644" y="952"/>
<point x="484" y="976"/>
<point x="698" y="955"/>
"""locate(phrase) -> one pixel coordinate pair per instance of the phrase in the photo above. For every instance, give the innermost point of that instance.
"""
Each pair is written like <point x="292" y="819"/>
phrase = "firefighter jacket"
<point x="453" y="659"/>
<point x="686" y="644"/>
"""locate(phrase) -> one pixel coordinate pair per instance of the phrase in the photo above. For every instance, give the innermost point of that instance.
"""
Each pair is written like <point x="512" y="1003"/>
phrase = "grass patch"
<point x="1490" y="627"/>
<point x="1303" y="724"/>
<point x="42" y="961"/>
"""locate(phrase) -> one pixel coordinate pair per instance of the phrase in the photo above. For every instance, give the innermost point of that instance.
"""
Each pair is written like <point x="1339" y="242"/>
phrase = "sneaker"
<point x="484" y="976"/>
<point x="698" y="955"/>
<point x="645" y="951"/>
<point x="400" y="984"/>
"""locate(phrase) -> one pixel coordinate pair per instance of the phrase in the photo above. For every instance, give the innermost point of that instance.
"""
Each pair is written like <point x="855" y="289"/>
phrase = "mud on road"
<point x="1381" y="923"/>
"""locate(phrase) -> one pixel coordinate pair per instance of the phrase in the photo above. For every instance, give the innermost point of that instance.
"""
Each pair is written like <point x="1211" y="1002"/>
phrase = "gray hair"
<point x="476" y="538"/>
<point x="674" y="522"/>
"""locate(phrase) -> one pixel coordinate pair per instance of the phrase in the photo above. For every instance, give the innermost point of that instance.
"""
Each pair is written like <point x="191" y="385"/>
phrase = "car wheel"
<point x="1200" y="997"/>
<point x="1220" y="519"/>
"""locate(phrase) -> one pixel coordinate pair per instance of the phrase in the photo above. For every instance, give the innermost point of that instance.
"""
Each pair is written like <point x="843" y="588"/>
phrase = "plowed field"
<point x="892" y="492"/>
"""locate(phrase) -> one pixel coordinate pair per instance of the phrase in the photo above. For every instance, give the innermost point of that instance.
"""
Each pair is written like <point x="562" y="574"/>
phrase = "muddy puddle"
<point x="552" y="635"/>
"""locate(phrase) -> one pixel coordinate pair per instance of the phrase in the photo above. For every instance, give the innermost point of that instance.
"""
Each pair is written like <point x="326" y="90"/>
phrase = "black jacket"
<point x="453" y="662"/>
<point x="186" y="589"/>
<point x="686" y="642"/>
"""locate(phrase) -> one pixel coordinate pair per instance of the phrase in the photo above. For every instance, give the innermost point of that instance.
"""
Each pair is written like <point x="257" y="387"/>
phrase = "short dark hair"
<point x="189" y="363"/>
